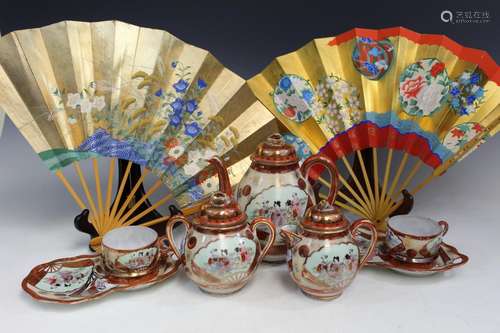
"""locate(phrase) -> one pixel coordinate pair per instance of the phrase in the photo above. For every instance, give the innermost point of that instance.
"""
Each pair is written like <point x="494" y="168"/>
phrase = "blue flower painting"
<point x="181" y="86"/>
<point x="192" y="129"/>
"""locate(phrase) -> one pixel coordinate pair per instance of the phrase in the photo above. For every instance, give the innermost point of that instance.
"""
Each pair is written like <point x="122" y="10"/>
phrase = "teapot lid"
<point x="221" y="212"/>
<point x="275" y="151"/>
<point x="324" y="218"/>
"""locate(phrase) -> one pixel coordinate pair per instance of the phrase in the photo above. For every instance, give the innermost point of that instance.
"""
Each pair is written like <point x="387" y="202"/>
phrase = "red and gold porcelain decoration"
<point x="275" y="187"/>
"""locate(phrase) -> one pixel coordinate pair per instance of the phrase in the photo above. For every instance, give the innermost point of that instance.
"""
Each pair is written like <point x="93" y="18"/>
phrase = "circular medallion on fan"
<point x="81" y="91"/>
<point x="386" y="105"/>
<point x="372" y="58"/>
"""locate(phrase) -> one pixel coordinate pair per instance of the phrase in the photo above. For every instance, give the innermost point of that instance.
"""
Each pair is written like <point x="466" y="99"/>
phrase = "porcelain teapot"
<point x="277" y="188"/>
<point x="322" y="256"/>
<point x="220" y="251"/>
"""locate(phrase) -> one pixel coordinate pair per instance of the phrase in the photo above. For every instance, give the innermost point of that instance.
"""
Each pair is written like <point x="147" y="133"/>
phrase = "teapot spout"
<point x="291" y="237"/>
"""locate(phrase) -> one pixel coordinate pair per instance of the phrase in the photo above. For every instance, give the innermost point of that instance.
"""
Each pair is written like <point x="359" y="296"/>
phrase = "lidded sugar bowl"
<point x="221" y="250"/>
<point x="323" y="257"/>
<point x="277" y="188"/>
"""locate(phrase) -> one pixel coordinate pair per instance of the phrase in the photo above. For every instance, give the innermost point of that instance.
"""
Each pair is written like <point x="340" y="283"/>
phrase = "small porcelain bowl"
<point x="131" y="251"/>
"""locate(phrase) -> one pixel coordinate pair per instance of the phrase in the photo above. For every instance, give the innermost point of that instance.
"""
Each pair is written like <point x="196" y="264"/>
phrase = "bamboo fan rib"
<point x="79" y="91"/>
<point x="393" y="107"/>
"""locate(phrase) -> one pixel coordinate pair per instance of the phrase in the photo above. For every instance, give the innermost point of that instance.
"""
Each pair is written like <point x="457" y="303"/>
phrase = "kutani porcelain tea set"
<point x="272" y="217"/>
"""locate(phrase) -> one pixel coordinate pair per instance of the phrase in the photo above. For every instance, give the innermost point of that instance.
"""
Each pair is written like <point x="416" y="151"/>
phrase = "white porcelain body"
<point x="323" y="268"/>
<point x="282" y="197"/>
<point x="221" y="263"/>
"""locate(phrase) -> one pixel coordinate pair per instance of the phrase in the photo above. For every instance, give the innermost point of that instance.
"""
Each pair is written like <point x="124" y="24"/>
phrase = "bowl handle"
<point x="373" y="239"/>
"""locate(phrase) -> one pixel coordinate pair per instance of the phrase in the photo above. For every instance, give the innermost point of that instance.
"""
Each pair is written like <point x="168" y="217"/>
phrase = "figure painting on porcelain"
<point x="275" y="187"/>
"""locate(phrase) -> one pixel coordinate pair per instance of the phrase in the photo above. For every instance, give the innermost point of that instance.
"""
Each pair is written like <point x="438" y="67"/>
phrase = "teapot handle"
<point x="170" y="235"/>
<point x="327" y="163"/>
<point x="220" y="168"/>
<point x="373" y="239"/>
<point x="272" y="233"/>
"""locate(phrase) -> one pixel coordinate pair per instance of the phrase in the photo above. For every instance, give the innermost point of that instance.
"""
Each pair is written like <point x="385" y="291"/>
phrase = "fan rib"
<point x="70" y="189"/>
<point x="367" y="180"/>
<point x="131" y="195"/>
<point x="119" y="221"/>
<point x="146" y="211"/>
<point x="83" y="182"/>
<point x="95" y="165"/>
<point x="118" y="197"/>
<point x="365" y="202"/>
<point x="109" y="189"/>
<point x="387" y="202"/>
<point x="375" y="176"/>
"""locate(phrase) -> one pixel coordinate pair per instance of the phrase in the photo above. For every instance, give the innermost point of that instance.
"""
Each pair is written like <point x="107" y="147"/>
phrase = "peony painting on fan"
<point x="383" y="104"/>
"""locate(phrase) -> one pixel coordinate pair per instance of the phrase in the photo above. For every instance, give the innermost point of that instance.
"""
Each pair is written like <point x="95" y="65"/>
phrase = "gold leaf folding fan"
<point x="80" y="91"/>
<point x="384" y="104"/>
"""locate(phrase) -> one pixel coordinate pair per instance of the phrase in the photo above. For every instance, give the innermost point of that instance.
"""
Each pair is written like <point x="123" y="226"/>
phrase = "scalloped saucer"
<point x="448" y="258"/>
<point x="84" y="278"/>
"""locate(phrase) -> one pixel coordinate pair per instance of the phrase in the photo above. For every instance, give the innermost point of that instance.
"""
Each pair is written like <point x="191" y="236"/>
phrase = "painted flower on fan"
<point x="173" y="64"/>
<point x="171" y="142"/>
<point x="159" y="92"/>
<point x="175" y="120"/>
<point x="177" y="105"/>
<point x="201" y="84"/>
<point x="457" y="133"/>
<point x="192" y="129"/>
<point x="307" y="95"/>
<point x="411" y="88"/>
<point x="470" y="99"/>
<point x="86" y="105"/>
<point x="99" y="103"/>
<point x="285" y="83"/>
<point x="454" y="91"/>
<point x="437" y="68"/>
<point x="455" y="103"/>
<point x="290" y="111"/>
<point x="73" y="100"/>
<point x="365" y="39"/>
<point x="191" y="106"/>
<point x="475" y="78"/>
<point x="181" y="86"/>
<point x="465" y="78"/>
<point x="478" y="128"/>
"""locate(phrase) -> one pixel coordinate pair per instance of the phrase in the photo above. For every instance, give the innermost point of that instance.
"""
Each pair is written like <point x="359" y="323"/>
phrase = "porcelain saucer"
<point x="84" y="278"/>
<point x="448" y="258"/>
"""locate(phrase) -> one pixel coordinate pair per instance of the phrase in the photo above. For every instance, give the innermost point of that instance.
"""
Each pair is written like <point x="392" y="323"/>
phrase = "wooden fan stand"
<point x="367" y="157"/>
<point x="82" y="223"/>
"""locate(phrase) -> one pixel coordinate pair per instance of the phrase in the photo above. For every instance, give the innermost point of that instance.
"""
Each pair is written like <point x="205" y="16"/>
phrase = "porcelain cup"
<point x="414" y="239"/>
<point x="131" y="251"/>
